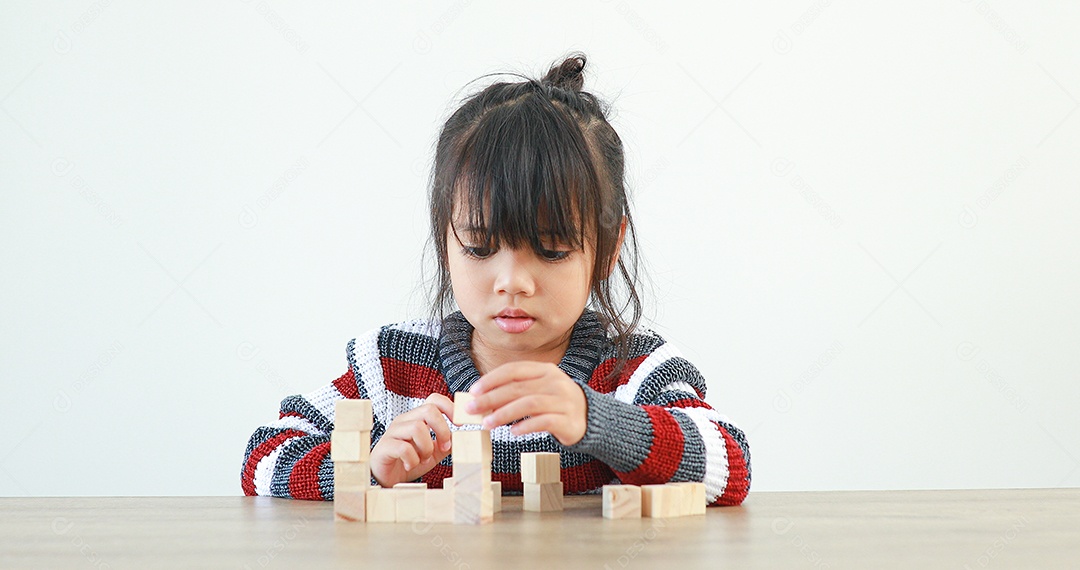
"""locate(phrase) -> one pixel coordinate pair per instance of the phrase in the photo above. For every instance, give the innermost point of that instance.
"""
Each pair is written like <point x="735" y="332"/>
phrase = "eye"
<point x="476" y="252"/>
<point x="552" y="255"/>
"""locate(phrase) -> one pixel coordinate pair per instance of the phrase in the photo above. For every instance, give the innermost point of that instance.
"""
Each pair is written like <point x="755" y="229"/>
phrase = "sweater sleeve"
<point x="290" y="457"/>
<point x="656" y="427"/>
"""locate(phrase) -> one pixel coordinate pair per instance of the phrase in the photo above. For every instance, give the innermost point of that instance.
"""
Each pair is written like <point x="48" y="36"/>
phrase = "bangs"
<point x="526" y="176"/>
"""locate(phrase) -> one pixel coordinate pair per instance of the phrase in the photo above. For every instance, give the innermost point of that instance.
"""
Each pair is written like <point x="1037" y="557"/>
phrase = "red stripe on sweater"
<point x="412" y="380"/>
<point x="597" y="382"/>
<point x="737" y="486"/>
<point x="290" y="414"/>
<point x="434" y="478"/>
<point x="247" y="480"/>
<point x="304" y="478"/>
<point x="346" y="384"/>
<point x="665" y="452"/>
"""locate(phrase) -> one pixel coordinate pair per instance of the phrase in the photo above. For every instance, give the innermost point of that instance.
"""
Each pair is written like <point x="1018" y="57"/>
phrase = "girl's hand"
<point x="406" y="451"/>
<point x="540" y="390"/>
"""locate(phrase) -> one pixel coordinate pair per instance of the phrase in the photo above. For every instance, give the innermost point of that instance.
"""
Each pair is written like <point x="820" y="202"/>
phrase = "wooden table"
<point x="901" y="529"/>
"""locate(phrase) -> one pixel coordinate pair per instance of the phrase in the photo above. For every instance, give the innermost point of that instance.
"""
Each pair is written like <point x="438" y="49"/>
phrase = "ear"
<point x="618" y="248"/>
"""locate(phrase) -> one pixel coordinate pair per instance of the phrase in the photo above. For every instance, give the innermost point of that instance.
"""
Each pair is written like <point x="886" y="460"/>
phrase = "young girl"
<point x="529" y="214"/>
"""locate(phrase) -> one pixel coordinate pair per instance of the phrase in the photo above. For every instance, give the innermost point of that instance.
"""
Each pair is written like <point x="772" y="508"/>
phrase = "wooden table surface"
<point x="1035" y="528"/>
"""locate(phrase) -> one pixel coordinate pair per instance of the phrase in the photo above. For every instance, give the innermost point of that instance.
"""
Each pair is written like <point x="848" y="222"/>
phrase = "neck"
<point x="486" y="358"/>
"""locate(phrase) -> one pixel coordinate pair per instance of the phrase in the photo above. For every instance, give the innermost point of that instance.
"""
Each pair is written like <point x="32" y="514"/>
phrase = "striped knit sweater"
<point x="649" y="425"/>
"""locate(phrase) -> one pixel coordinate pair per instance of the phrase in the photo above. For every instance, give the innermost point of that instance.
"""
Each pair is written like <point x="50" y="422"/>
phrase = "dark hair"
<point x="531" y="151"/>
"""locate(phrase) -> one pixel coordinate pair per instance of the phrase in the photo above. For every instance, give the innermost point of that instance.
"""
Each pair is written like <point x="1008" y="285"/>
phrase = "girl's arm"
<point x="655" y="427"/>
<point x="290" y="457"/>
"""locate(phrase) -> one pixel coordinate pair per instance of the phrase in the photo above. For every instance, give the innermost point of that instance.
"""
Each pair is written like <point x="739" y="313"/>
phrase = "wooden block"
<point x="540" y="468"/>
<point x="496" y="496"/>
<point x="461" y="417"/>
<point x="693" y="497"/>
<point x="381" y="505"/>
<point x="661" y="501"/>
<point x="353" y="415"/>
<point x="352" y="474"/>
<point x="409" y="501"/>
<point x="350" y="504"/>
<point x="471" y="446"/>
<point x="350" y="445"/>
<point x="439" y="505"/>
<point x="472" y="493"/>
<point x="448" y="483"/>
<point x="543" y="497"/>
<point x="622" y="502"/>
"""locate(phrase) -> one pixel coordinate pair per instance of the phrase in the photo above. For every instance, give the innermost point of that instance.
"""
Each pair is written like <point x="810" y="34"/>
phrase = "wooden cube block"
<point x="472" y="493"/>
<point x="448" y="483"/>
<point x="381" y="505"/>
<point x="540" y="468"/>
<point x="661" y="501"/>
<point x="439" y="505"/>
<point x="350" y="445"/>
<point x="461" y="417"/>
<point x="353" y="415"/>
<point x="496" y="496"/>
<point x="471" y="446"/>
<point x="352" y="474"/>
<point x="543" y="497"/>
<point x="350" y="504"/>
<point x="410" y="501"/>
<point x="622" y="502"/>
<point x="693" y="495"/>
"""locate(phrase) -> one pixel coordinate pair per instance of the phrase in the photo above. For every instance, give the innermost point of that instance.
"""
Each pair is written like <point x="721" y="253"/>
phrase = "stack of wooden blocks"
<point x="473" y="501"/>
<point x="654" y="501"/>
<point x="350" y="449"/>
<point x="473" y="490"/>
<point x="540" y="476"/>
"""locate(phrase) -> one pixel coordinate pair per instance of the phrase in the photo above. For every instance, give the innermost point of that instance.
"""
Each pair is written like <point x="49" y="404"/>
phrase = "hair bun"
<point x="568" y="74"/>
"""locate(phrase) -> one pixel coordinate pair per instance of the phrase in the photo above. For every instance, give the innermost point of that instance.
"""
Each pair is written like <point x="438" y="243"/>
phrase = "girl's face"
<point x="552" y="289"/>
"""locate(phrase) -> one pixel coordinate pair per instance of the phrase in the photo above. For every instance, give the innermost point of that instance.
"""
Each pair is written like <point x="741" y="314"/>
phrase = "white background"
<point x="860" y="222"/>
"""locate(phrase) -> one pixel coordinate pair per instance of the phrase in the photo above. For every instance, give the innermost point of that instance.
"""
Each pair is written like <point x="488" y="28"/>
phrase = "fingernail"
<point x="487" y="423"/>
<point x="407" y="466"/>
<point x="471" y="407"/>
<point x="445" y="445"/>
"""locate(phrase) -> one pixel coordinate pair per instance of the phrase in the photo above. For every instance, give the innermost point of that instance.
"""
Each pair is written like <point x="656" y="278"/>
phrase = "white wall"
<point x="860" y="222"/>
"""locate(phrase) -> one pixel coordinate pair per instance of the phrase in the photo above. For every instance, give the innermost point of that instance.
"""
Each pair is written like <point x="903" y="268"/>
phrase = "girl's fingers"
<point x="436" y="422"/>
<point x="510" y="372"/>
<point x="500" y="396"/>
<point x="529" y="405"/>
<point x="444" y="404"/>
<point x="543" y="422"/>
<point x="405" y="452"/>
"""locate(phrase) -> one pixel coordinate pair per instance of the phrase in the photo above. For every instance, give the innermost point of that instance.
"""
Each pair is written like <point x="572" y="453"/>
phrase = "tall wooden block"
<point x="496" y="496"/>
<point x="381" y="505"/>
<point x="350" y="445"/>
<point x="543" y="497"/>
<point x="661" y="501"/>
<point x="439" y="505"/>
<point x="410" y="501"/>
<point x="471" y="446"/>
<point x="622" y="502"/>
<point x="353" y="415"/>
<point x="461" y="417"/>
<point x="693" y="497"/>
<point x="352" y="474"/>
<point x="540" y="468"/>
<point x="448" y="483"/>
<point x="350" y="504"/>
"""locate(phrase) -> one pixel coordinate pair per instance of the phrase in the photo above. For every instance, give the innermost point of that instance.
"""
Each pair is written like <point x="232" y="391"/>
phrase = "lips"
<point x="514" y="321"/>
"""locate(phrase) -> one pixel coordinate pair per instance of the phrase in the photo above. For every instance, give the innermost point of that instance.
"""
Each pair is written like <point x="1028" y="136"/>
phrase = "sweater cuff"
<point x="617" y="433"/>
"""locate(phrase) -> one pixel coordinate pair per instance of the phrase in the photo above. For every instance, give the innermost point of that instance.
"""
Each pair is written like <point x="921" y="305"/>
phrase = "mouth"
<point x="509" y="313"/>
<point x="514" y="321"/>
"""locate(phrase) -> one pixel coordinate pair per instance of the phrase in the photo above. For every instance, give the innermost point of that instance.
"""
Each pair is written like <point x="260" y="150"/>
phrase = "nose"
<point x="515" y="274"/>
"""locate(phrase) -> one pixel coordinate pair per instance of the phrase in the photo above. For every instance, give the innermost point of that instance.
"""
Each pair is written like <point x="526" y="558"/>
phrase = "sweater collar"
<point x="459" y="370"/>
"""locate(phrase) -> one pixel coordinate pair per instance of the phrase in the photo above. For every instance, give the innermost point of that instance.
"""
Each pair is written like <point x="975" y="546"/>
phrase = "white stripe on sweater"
<point x="716" y="457"/>
<point x="369" y="366"/>
<point x="662" y="354"/>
